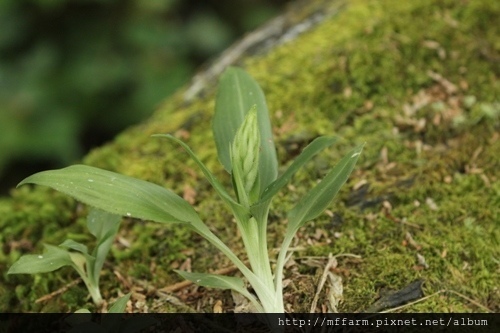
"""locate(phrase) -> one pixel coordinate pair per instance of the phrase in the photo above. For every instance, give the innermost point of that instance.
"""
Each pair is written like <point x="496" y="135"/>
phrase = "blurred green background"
<point x="73" y="73"/>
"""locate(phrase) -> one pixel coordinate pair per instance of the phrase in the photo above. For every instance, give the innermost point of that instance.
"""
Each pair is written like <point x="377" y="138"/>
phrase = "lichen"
<point x="416" y="81"/>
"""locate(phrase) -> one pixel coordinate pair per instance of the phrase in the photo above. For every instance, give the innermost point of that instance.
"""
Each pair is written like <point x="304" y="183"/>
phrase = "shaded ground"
<point x="417" y="82"/>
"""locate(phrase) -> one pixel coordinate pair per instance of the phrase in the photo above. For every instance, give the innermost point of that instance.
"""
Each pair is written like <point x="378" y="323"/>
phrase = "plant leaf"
<point x="80" y="262"/>
<point x="238" y="92"/>
<point x="123" y="195"/>
<point x="214" y="280"/>
<point x="235" y="206"/>
<point x="316" y="200"/>
<point x="53" y="258"/>
<point x="261" y="208"/>
<point x="104" y="226"/>
<point x="120" y="304"/>
<point x="117" y="194"/>
<point x="71" y="244"/>
<point x="312" y="149"/>
<point x="100" y="223"/>
<point x="221" y="282"/>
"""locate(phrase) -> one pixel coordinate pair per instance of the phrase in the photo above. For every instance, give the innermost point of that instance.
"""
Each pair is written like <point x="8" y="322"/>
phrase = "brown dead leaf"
<point x="335" y="292"/>
<point x="218" y="307"/>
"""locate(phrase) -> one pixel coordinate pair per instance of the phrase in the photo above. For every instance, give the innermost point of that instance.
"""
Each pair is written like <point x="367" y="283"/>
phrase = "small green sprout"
<point x="118" y="306"/>
<point x="104" y="226"/>
<point x="245" y="147"/>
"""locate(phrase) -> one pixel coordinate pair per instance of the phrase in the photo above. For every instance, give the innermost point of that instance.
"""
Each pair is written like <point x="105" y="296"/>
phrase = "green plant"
<point x="246" y="149"/>
<point x="103" y="226"/>
<point x="118" y="306"/>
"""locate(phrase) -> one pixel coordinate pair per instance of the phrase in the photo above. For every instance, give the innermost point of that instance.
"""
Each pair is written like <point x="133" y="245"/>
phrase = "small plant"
<point x="246" y="149"/>
<point x="118" y="306"/>
<point x="104" y="226"/>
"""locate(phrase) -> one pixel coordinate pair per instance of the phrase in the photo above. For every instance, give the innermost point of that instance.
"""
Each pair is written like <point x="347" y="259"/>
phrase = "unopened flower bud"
<point x="245" y="159"/>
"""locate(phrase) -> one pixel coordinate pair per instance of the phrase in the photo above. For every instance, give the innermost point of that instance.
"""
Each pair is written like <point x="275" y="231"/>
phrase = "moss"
<point x="417" y="81"/>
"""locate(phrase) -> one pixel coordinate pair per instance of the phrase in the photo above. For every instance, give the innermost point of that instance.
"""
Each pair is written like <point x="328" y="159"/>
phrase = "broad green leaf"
<point x="117" y="194"/>
<point x="53" y="258"/>
<point x="318" y="199"/>
<point x="123" y="195"/>
<point x="71" y="244"/>
<point x="104" y="226"/>
<point x="100" y="253"/>
<point x="260" y="209"/>
<point x="120" y="304"/>
<point x="100" y="223"/>
<point x="312" y="149"/>
<point x="237" y="94"/>
<point x="80" y="262"/>
<point x="235" y="206"/>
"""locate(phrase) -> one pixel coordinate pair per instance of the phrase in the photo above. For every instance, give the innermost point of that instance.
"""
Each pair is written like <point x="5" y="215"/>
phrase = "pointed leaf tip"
<point x="117" y="194"/>
<point x="318" y="199"/>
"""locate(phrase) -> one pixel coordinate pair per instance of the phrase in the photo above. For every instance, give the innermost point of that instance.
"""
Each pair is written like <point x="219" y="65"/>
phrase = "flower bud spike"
<point x="245" y="151"/>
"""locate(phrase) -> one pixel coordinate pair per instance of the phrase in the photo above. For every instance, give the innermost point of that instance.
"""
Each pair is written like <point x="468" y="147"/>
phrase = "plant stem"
<point x="280" y="263"/>
<point x="95" y="293"/>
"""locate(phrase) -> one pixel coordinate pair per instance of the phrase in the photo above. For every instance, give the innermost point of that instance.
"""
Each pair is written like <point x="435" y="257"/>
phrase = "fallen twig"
<point x="58" y="292"/>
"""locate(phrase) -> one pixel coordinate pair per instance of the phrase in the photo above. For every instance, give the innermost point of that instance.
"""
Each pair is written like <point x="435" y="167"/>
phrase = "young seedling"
<point x="118" y="306"/>
<point x="104" y="226"/>
<point x="246" y="149"/>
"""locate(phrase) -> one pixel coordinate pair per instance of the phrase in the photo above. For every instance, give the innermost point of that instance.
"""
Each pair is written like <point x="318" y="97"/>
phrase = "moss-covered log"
<point x="416" y="80"/>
